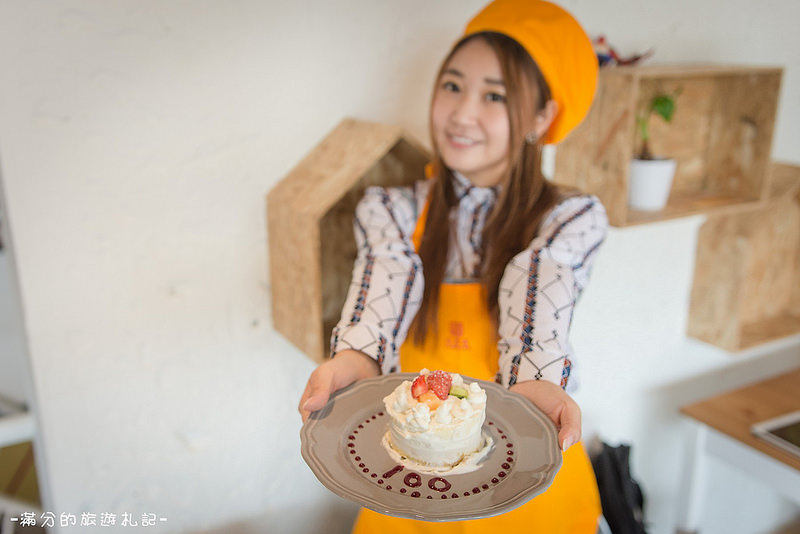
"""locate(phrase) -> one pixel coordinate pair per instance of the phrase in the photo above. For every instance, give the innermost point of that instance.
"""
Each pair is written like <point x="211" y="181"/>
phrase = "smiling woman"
<point x="490" y="104"/>
<point x="486" y="251"/>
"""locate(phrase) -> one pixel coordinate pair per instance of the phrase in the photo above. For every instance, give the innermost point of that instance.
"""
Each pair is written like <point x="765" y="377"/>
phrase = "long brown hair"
<point x="525" y="196"/>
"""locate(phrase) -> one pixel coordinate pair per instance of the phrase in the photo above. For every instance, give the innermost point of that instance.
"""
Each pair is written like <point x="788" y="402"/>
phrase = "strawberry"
<point x="439" y="382"/>
<point x="418" y="387"/>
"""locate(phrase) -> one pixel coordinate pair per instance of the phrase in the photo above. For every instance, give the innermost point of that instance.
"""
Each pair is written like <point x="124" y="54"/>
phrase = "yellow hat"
<point x="560" y="48"/>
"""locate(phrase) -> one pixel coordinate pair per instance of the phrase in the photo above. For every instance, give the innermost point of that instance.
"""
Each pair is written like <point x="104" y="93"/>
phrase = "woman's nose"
<point x="465" y="110"/>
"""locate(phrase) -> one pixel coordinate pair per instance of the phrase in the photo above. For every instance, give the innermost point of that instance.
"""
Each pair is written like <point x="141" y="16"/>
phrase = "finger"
<point x="317" y="392"/>
<point x="303" y="399"/>
<point x="309" y="406"/>
<point x="316" y="401"/>
<point x="570" y="426"/>
<point x="307" y="393"/>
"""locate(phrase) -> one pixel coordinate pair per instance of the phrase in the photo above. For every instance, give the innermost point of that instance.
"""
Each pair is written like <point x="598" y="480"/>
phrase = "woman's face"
<point x="469" y="119"/>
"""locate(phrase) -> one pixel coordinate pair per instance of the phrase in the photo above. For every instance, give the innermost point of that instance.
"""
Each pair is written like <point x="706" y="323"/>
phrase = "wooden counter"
<point x="734" y="412"/>
<point x="723" y="432"/>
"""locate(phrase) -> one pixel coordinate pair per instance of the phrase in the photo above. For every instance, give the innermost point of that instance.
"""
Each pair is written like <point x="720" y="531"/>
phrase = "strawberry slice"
<point x="419" y="387"/>
<point x="439" y="382"/>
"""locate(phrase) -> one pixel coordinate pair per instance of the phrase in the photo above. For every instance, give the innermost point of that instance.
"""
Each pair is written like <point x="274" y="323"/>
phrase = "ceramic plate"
<point x="341" y="443"/>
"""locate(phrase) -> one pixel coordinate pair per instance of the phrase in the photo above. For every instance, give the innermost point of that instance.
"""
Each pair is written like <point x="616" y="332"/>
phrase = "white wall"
<point x="138" y="140"/>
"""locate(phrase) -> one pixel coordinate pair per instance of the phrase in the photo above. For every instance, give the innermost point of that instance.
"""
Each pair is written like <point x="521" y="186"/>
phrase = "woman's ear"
<point x="544" y="118"/>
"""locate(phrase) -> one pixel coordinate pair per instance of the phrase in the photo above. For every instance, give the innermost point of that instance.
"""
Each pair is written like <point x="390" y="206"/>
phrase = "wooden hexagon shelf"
<point x="310" y="216"/>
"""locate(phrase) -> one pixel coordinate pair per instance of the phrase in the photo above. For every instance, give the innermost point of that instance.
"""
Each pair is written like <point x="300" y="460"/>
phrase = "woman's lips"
<point x="461" y="141"/>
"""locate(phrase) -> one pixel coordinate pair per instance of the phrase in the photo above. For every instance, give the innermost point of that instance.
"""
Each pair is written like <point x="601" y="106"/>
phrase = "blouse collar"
<point x="464" y="188"/>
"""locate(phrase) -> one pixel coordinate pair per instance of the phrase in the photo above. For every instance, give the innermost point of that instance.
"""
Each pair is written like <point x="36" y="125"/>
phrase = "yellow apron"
<point x="467" y="344"/>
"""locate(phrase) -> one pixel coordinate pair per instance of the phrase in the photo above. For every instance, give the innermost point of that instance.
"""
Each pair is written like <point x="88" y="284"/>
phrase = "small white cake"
<point x="437" y="420"/>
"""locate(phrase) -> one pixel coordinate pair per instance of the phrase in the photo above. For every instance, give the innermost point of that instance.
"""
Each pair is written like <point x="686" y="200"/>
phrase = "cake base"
<point x="468" y="463"/>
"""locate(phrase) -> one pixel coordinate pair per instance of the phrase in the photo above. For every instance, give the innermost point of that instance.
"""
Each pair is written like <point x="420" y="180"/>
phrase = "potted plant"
<point x="650" y="177"/>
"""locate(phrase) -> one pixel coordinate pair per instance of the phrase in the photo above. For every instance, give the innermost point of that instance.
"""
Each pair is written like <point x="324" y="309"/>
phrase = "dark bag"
<point x="620" y="495"/>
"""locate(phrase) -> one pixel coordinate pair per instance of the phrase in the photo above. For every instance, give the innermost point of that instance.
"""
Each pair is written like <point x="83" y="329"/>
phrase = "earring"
<point x="531" y="138"/>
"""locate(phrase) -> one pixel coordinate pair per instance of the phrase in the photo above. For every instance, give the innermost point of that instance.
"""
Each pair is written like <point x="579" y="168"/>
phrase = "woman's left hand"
<point x="557" y="405"/>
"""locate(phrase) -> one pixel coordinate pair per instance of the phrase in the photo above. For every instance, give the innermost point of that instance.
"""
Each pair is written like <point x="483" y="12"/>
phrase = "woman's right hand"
<point x="343" y="369"/>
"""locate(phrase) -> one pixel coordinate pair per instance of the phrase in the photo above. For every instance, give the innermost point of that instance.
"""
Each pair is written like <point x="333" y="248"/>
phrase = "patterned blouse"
<point x="538" y="290"/>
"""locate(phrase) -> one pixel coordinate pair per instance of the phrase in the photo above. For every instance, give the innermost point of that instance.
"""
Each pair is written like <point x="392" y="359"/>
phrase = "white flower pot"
<point x="649" y="183"/>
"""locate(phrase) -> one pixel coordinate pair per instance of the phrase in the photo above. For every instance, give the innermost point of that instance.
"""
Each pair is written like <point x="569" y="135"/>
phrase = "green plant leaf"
<point x="664" y="106"/>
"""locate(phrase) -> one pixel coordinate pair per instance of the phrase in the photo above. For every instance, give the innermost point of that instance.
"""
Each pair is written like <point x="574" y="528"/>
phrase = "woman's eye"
<point x="495" y="97"/>
<point x="450" y="86"/>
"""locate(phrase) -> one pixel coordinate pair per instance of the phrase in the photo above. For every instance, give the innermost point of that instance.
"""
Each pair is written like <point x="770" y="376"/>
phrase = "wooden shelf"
<point x="720" y="135"/>
<point x="746" y="289"/>
<point x="687" y="204"/>
<point x="310" y="222"/>
<point x="766" y="330"/>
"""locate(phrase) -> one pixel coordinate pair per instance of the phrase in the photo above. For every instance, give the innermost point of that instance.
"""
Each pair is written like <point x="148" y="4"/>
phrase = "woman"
<point x="477" y="270"/>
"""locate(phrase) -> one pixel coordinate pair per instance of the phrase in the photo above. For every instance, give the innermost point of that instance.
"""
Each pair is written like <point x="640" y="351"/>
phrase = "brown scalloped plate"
<point x="341" y="443"/>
